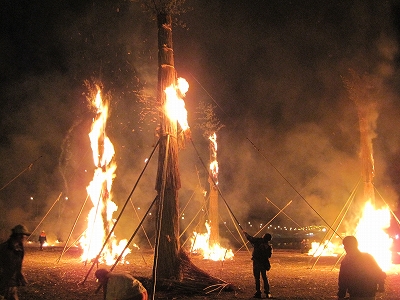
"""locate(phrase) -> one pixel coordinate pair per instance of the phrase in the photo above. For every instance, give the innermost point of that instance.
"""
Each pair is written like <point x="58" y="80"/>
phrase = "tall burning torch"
<point x="99" y="190"/>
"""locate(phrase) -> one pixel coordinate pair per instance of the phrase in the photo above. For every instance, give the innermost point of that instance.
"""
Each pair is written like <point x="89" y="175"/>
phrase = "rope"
<point x="269" y="222"/>
<point x="128" y="243"/>
<point x="133" y="234"/>
<point x="45" y="215"/>
<point x="391" y="211"/>
<point x="160" y="215"/>
<point x="342" y="212"/>
<point x="215" y="185"/>
<point x="275" y="168"/>
<point x="268" y="200"/>
<point x="72" y="229"/>
<point x="144" y="231"/>
<point x="219" y="192"/>
<point x="23" y="171"/>
<point x="122" y="210"/>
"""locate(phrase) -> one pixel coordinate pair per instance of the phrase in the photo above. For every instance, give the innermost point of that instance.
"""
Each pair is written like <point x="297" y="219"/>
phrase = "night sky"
<point x="272" y="69"/>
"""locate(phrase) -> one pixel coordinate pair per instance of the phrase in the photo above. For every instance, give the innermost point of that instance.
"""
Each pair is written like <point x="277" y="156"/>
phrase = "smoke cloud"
<point x="274" y="70"/>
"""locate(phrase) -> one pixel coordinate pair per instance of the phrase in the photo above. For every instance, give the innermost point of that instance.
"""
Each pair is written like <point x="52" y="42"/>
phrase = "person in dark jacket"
<point x="42" y="239"/>
<point x="360" y="276"/>
<point x="262" y="252"/>
<point x="11" y="257"/>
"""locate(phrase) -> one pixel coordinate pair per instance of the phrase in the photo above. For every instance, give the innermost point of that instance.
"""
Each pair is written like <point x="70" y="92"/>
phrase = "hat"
<point x="101" y="274"/>
<point x="267" y="237"/>
<point x="20" y="229"/>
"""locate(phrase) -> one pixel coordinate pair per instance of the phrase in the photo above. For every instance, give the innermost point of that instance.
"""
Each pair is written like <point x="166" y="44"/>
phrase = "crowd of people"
<point x="360" y="277"/>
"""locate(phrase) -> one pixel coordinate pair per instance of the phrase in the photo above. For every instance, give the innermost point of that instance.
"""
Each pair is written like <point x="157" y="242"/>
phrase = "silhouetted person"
<point x="11" y="257"/>
<point x="42" y="239"/>
<point x="120" y="286"/>
<point x="360" y="276"/>
<point x="262" y="252"/>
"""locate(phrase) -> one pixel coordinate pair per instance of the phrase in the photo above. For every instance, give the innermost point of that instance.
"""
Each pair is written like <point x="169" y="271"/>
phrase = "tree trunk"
<point x="213" y="204"/>
<point x="364" y="91"/>
<point x="366" y="154"/>
<point x="168" y="180"/>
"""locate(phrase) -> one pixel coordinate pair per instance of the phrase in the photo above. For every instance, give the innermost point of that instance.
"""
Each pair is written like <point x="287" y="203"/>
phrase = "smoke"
<point x="291" y="128"/>
<point x="273" y="70"/>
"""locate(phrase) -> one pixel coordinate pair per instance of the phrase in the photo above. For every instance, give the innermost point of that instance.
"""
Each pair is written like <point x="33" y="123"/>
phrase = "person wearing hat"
<point x="262" y="252"/>
<point x="11" y="256"/>
<point x="360" y="276"/>
<point x="120" y="286"/>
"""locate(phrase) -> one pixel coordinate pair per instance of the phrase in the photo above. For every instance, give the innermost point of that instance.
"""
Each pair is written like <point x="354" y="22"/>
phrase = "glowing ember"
<point x="200" y="245"/>
<point x="371" y="235"/>
<point x="99" y="190"/>
<point x="175" y="105"/>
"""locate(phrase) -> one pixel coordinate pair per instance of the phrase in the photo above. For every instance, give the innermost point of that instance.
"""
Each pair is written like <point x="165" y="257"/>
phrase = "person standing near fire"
<point x="11" y="257"/>
<point x="360" y="275"/>
<point x="262" y="252"/>
<point x="42" y="239"/>
<point x="120" y="286"/>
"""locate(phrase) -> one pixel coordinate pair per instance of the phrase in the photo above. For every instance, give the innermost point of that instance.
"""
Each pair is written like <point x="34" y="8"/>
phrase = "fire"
<point x="100" y="219"/>
<point x="201" y="245"/>
<point x="327" y="248"/>
<point x="175" y="105"/>
<point x="214" y="162"/>
<point x="371" y="235"/>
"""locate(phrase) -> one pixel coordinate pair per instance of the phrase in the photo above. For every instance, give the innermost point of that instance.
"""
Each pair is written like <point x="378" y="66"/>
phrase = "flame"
<point x="371" y="235"/>
<point x="175" y="105"/>
<point x="214" y="162"/>
<point x="100" y="219"/>
<point x="327" y="248"/>
<point x="200" y="245"/>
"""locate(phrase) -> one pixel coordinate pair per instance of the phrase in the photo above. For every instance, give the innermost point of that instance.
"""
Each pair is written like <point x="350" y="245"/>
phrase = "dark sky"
<point x="273" y="69"/>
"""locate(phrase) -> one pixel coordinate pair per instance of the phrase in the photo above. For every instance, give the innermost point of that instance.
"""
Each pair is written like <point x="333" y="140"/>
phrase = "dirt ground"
<point x="293" y="276"/>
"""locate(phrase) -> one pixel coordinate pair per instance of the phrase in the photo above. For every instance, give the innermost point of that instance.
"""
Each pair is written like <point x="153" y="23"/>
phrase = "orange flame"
<point x="200" y="245"/>
<point x="327" y="248"/>
<point x="371" y="235"/>
<point x="175" y="105"/>
<point x="214" y="162"/>
<point x="99" y="190"/>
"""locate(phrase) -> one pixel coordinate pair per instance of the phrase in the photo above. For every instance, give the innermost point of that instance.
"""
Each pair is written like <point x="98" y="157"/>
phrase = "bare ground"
<point x="293" y="276"/>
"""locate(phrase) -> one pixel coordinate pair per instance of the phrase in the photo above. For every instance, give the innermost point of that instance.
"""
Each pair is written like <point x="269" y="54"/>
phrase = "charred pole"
<point x="167" y="262"/>
<point x="364" y="91"/>
<point x="210" y="125"/>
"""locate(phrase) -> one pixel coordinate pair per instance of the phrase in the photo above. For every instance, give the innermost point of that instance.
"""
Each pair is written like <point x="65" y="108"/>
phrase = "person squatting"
<point x="120" y="286"/>
<point x="262" y="252"/>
